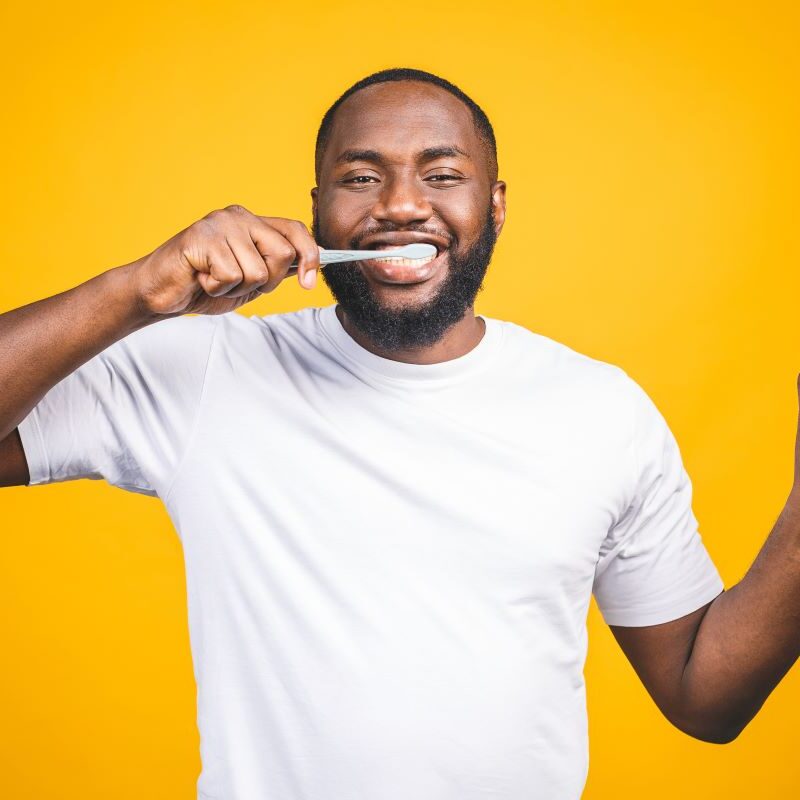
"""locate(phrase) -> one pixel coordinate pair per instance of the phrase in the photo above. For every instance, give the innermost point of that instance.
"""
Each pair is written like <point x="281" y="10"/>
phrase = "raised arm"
<point x="711" y="671"/>
<point x="45" y="341"/>
<point x="219" y="263"/>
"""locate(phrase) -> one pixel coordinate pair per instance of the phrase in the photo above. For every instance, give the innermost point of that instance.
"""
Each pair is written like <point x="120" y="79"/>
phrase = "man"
<point x="393" y="512"/>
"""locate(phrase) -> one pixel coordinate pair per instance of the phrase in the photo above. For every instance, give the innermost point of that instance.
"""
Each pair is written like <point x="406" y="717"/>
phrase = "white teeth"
<point x="406" y="262"/>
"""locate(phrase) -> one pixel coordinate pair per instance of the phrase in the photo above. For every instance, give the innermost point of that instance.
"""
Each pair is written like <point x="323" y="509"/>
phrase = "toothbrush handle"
<point x="336" y="256"/>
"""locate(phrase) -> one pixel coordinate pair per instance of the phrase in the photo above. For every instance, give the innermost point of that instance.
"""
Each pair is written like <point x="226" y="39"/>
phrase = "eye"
<point x="443" y="178"/>
<point x="360" y="179"/>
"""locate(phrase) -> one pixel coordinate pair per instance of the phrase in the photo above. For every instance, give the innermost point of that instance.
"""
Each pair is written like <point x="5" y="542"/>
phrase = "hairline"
<point x="324" y="133"/>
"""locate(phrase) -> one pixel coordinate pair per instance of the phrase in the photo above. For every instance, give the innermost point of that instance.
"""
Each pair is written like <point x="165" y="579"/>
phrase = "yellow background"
<point x="651" y="155"/>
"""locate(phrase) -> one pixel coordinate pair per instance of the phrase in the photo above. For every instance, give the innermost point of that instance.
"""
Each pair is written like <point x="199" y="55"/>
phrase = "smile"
<point x="408" y="262"/>
<point x="404" y="270"/>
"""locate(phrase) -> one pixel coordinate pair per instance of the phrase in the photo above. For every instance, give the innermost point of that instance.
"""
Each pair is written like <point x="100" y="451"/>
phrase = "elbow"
<point x="705" y="731"/>
<point x="716" y="737"/>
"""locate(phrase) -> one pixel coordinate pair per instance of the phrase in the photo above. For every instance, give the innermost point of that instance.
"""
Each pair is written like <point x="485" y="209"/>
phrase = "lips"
<point x="404" y="270"/>
<point x="401" y="238"/>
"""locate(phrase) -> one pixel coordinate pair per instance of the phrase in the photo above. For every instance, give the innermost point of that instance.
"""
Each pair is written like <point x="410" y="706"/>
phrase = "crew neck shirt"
<point x="388" y="565"/>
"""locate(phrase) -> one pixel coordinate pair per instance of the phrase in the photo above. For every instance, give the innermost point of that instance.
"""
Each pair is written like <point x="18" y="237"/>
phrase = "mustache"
<point x="355" y="242"/>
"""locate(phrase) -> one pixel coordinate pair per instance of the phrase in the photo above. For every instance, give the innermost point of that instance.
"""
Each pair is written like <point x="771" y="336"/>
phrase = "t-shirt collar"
<point x="443" y="372"/>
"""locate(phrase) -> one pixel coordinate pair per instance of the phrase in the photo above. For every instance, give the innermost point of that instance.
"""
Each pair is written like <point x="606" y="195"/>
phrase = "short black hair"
<point x="482" y="124"/>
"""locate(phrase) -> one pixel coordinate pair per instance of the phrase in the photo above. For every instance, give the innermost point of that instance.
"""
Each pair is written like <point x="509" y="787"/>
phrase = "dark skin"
<point x="386" y="162"/>
<point x="710" y="671"/>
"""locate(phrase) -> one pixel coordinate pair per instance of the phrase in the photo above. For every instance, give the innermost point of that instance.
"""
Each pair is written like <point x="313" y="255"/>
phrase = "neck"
<point x="457" y="341"/>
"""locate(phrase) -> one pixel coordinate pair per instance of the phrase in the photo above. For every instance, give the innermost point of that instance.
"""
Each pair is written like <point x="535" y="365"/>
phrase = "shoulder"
<point x="186" y="332"/>
<point x="280" y="325"/>
<point x="556" y="367"/>
<point x="168" y="352"/>
<point x="200" y="331"/>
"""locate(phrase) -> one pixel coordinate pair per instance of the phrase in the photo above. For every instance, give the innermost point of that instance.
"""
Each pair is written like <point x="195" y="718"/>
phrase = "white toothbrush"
<point x="418" y="250"/>
<point x="413" y="251"/>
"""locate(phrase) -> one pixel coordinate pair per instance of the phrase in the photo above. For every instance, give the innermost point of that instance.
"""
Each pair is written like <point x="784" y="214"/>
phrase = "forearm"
<point x="749" y="637"/>
<point x="43" y="342"/>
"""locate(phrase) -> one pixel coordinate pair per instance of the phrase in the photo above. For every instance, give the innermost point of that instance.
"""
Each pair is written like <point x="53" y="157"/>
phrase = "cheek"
<point x="464" y="220"/>
<point x="340" y="215"/>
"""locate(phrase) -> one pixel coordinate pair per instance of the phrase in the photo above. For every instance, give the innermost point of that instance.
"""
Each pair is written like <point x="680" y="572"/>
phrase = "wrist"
<point x="125" y="286"/>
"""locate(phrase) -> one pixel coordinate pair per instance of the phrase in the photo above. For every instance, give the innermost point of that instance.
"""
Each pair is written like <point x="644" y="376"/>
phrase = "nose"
<point x="402" y="201"/>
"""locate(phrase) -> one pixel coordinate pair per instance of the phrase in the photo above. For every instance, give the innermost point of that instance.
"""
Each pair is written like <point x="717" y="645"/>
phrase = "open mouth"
<point x="404" y="270"/>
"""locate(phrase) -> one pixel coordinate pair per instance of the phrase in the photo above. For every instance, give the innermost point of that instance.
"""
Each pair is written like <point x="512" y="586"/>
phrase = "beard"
<point x="413" y="327"/>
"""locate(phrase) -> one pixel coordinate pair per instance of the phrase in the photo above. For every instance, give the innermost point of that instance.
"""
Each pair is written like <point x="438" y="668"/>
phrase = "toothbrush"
<point x="413" y="251"/>
<point x="418" y="250"/>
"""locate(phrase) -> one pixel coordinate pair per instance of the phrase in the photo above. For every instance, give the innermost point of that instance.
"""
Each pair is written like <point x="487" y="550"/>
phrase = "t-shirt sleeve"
<point x="126" y="415"/>
<point x="653" y="565"/>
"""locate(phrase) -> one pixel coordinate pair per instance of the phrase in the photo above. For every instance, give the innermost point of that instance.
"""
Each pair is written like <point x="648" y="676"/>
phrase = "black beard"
<point x="416" y="327"/>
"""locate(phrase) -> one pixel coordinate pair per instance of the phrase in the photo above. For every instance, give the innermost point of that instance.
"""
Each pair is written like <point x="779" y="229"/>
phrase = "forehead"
<point x="400" y="118"/>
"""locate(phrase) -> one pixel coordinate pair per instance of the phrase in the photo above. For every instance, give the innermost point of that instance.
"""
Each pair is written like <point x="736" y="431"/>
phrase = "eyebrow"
<point x="376" y="157"/>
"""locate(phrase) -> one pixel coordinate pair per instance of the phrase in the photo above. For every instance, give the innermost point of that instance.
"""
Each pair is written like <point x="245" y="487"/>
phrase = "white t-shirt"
<point x="389" y="565"/>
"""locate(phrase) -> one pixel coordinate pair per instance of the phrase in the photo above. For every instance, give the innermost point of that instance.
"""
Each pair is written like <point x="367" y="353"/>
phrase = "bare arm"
<point x="750" y="636"/>
<point x="711" y="671"/>
<point x="43" y="342"/>
<point x="13" y="463"/>
<point x="219" y="263"/>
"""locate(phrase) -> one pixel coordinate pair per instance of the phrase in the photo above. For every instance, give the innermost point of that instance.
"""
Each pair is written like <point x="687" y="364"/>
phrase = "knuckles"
<point x="284" y="253"/>
<point x="221" y="214"/>
<point x="214" y="225"/>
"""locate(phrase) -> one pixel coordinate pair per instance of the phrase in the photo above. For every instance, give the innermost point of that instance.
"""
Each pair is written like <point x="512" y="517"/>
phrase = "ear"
<point x="314" y="193"/>
<point x="499" y="205"/>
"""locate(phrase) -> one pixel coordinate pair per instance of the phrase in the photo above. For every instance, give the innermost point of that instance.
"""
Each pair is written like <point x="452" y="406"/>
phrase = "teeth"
<point x="406" y="262"/>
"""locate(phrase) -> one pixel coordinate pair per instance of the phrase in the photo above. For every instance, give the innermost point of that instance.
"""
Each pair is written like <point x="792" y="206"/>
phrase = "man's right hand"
<point x="223" y="261"/>
<point x="214" y="266"/>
